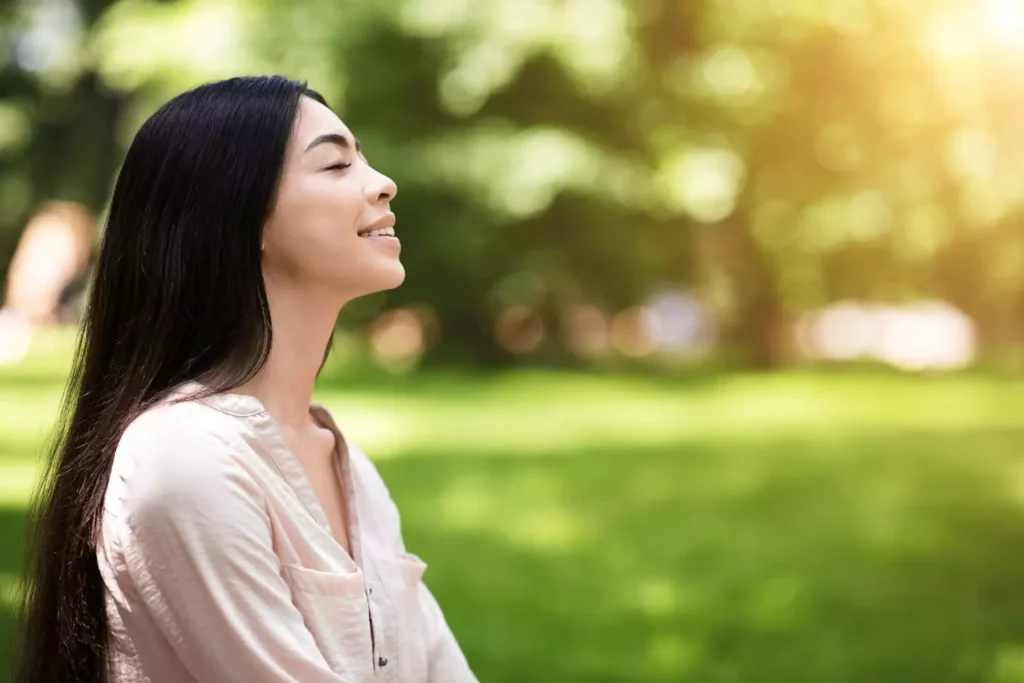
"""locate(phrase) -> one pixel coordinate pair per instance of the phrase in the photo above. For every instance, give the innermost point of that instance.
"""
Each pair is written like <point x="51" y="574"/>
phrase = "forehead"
<point x="314" y="119"/>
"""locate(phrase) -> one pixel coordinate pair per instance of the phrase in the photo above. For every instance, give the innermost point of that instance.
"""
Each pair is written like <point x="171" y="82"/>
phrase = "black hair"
<point x="177" y="295"/>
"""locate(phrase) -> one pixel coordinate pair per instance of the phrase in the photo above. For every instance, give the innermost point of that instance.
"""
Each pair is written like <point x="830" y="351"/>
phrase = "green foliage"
<point x="772" y="156"/>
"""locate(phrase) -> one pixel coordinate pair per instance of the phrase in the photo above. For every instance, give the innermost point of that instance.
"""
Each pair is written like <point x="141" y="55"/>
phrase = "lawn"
<point x="802" y="527"/>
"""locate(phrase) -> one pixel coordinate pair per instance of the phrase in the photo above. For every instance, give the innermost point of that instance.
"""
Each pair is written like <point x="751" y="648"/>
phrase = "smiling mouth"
<point x="378" y="232"/>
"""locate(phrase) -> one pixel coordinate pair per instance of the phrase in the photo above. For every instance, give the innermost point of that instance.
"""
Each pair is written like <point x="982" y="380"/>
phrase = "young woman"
<point x="202" y="520"/>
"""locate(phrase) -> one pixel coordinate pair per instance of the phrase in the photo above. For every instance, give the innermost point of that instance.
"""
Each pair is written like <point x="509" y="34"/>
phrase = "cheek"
<point x="317" y="215"/>
<point x="330" y="207"/>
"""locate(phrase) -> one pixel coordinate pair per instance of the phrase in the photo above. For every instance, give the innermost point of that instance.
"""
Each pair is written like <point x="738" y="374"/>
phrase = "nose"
<point x="381" y="189"/>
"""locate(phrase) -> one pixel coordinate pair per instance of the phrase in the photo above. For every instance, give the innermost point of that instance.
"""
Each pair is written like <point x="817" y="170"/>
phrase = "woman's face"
<point x="329" y="226"/>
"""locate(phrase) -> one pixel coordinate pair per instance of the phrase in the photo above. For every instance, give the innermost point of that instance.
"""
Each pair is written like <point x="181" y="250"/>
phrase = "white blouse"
<point x="220" y="565"/>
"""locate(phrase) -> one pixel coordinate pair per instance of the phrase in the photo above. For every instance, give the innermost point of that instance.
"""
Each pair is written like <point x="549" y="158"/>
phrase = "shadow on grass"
<point x="884" y="558"/>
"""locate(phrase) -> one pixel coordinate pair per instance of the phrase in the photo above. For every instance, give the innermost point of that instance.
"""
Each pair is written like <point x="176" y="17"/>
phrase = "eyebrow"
<point x="334" y="139"/>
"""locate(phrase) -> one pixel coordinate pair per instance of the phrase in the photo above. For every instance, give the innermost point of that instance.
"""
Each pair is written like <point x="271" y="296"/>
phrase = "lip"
<point x="385" y="221"/>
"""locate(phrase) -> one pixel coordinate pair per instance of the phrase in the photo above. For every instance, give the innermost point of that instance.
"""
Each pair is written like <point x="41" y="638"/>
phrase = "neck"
<point x="302" y="324"/>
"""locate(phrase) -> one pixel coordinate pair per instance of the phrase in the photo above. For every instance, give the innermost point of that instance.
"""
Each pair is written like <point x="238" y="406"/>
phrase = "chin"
<point x="395" y="278"/>
<point x="365" y="281"/>
<point x="383" y="279"/>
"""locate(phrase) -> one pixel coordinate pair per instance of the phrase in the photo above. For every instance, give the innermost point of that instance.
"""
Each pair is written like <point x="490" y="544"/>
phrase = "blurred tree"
<point x="59" y="138"/>
<point x="772" y="157"/>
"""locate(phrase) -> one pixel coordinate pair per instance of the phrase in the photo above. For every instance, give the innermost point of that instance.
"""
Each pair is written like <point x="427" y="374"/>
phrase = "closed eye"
<point x="337" y="167"/>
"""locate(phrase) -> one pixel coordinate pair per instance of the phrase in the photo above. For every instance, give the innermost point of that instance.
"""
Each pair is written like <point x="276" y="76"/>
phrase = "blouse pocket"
<point x="336" y="612"/>
<point x="413" y="568"/>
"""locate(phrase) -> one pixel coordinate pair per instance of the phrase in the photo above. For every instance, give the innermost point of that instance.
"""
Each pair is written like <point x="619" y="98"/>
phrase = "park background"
<point x="708" y="364"/>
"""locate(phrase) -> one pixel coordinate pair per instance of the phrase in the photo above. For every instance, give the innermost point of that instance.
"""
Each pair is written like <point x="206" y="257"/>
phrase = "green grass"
<point x="862" y="527"/>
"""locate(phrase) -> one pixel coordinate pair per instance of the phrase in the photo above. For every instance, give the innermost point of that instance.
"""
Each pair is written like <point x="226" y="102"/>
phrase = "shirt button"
<point x="382" y="661"/>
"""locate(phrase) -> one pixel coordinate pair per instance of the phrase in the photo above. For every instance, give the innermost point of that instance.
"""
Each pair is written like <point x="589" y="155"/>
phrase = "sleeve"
<point x="198" y="550"/>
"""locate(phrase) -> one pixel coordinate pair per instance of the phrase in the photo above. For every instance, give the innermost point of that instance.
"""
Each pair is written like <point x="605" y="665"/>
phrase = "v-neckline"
<point x="300" y="482"/>
<point x="251" y="408"/>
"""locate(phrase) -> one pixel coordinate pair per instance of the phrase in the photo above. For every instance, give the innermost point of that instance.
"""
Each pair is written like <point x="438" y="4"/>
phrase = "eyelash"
<point x="337" y="167"/>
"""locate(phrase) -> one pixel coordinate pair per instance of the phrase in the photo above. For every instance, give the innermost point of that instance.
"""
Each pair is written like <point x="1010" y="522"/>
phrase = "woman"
<point x="202" y="520"/>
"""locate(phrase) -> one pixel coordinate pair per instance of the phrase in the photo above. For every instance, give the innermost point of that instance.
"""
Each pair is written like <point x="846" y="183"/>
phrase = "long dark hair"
<point x="178" y="295"/>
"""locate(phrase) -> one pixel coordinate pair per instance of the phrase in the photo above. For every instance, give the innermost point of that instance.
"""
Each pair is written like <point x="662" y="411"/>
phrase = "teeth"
<point x="381" y="232"/>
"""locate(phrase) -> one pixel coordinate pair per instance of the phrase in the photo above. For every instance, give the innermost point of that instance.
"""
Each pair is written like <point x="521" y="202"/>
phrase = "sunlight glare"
<point x="1005" y="19"/>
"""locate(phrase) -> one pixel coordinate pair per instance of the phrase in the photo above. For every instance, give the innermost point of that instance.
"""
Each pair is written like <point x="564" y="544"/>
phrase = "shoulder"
<point x="178" y="458"/>
<point x="183" y="439"/>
